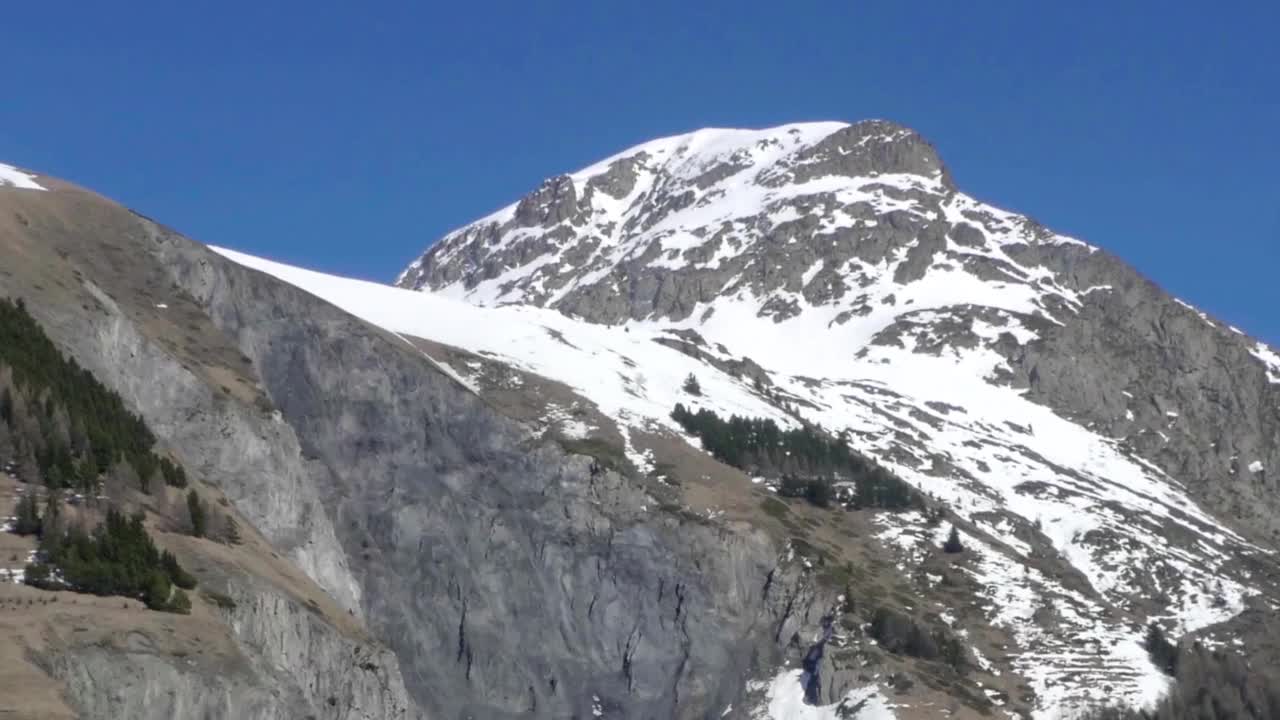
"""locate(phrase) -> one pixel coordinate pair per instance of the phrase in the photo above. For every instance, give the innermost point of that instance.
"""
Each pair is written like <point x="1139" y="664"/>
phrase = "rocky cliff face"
<point x="1191" y="394"/>
<point x="292" y="664"/>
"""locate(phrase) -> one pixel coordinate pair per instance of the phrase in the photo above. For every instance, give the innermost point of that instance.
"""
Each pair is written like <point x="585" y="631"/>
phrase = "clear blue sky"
<point x="347" y="139"/>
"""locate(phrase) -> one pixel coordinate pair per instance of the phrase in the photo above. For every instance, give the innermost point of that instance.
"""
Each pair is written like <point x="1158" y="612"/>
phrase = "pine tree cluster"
<point x="807" y="459"/>
<point x="116" y="558"/>
<point x="61" y="424"/>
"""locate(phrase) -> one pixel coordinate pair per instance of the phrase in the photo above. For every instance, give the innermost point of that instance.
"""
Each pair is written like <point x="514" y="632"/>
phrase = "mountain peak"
<point x="713" y="203"/>
<point x="691" y="154"/>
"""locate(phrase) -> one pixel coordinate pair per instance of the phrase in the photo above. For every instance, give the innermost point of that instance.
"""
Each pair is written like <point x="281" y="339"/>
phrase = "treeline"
<point x="60" y="425"/>
<point x="806" y="459"/>
<point x="116" y="558"/>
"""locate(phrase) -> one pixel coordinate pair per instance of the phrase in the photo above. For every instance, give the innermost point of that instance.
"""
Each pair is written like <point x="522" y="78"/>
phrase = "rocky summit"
<point x="762" y="424"/>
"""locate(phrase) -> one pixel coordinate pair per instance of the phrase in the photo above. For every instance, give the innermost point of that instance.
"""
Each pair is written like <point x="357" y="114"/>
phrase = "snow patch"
<point x="1269" y="358"/>
<point x="785" y="701"/>
<point x="11" y="176"/>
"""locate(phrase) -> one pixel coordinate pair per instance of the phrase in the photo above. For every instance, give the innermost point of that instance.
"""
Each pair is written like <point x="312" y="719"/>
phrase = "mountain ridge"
<point x="1100" y="448"/>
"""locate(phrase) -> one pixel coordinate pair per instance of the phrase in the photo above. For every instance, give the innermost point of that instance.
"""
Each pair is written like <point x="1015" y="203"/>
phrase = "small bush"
<point x="775" y="508"/>
<point x="179" y="603"/>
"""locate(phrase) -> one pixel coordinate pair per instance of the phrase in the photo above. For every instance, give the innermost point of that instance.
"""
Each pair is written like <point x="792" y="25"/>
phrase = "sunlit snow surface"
<point x="11" y="176"/>
<point x="630" y="378"/>
<point x="1271" y="359"/>
<point x="784" y="700"/>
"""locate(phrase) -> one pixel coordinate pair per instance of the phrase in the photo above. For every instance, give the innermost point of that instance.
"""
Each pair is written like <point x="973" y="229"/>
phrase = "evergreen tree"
<point x="51" y="524"/>
<point x="176" y="573"/>
<point x="28" y="468"/>
<point x="232" y="533"/>
<point x="174" y="475"/>
<point x="158" y="591"/>
<point x="691" y="385"/>
<point x="196" y="512"/>
<point x="144" y="483"/>
<point x="818" y="492"/>
<point x="953" y="544"/>
<point x="792" y="487"/>
<point x="7" y="448"/>
<point x="1164" y="654"/>
<point x="28" y="515"/>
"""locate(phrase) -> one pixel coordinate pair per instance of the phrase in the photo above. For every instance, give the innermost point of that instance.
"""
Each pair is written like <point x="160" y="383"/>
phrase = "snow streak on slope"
<point x="631" y="378"/>
<point x="13" y="177"/>
<point x="1003" y="463"/>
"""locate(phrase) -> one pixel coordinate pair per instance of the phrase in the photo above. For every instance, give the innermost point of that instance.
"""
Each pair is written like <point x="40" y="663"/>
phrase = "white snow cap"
<point x="13" y="177"/>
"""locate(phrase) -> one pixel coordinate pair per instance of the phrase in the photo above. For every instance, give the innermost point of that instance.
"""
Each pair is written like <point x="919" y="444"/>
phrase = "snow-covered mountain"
<point x="812" y="213"/>
<point x="1103" y="447"/>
